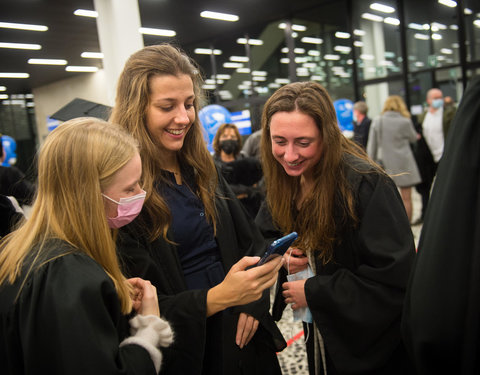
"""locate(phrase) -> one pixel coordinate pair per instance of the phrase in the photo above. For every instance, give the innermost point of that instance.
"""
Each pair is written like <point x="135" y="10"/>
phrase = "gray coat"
<point x="389" y="143"/>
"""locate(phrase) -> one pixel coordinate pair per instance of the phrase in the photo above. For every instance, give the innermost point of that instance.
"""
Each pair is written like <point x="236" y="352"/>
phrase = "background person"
<point x="192" y="236"/>
<point x="63" y="299"/>
<point x="361" y="123"/>
<point x="242" y="173"/>
<point x="434" y="125"/>
<point x="353" y="232"/>
<point x="393" y="132"/>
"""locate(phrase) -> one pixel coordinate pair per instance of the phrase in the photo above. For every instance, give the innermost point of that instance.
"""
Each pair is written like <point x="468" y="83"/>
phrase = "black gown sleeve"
<point x="356" y="302"/>
<point x="185" y="310"/>
<point x="70" y="322"/>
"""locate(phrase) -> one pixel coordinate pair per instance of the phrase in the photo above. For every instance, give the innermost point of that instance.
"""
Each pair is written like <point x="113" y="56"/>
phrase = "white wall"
<point x="50" y="98"/>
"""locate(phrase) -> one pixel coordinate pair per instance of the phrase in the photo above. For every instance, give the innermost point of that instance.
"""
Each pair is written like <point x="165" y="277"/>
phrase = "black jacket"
<point x="356" y="300"/>
<point x="67" y="321"/>
<point x="185" y="309"/>
<point x="442" y="306"/>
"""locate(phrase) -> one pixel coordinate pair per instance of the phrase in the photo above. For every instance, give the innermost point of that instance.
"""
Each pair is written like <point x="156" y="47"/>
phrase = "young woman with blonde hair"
<point x="192" y="237"/>
<point x="349" y="267"/>
<point x="392" y="132"/>
<point x="64" y="301"/>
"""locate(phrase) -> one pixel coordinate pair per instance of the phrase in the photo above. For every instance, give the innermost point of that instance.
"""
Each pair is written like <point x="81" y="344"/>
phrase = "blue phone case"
<point x="278" y="247"/>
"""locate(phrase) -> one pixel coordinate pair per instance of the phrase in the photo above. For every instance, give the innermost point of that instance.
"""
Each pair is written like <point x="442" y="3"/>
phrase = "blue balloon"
<point x="9" y="147"/>
<point x="211" y="117"/>
<point x="344" y="111"/>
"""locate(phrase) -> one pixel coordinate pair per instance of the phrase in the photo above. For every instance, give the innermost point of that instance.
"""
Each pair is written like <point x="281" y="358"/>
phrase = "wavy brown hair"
<point x="218" y="134"/>
<point x="330" y="202"/>
<point x="130" y="110"/>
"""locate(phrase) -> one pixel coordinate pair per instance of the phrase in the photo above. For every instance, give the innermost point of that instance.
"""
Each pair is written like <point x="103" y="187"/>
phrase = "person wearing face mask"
<point x="348" y="269"/>
<point x="242" y="173"/>
<point x="193" y="239"/>
<point x="65" y="306"/>
<point x="433" y="125"/>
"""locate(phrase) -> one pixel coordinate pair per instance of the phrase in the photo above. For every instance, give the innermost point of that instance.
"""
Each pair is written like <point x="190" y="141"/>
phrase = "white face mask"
<point x="127" y="210"/>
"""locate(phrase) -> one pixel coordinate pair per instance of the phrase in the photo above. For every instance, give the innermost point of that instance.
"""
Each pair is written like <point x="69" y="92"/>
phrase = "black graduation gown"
<point x="356" y="300"/>
<point x="442" y="307"/>
<point x="185" y="309"/>
<point x="67" y="320"/>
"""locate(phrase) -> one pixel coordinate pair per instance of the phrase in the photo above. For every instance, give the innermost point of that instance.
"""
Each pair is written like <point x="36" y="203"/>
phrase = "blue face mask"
<point x="437" y="103"/>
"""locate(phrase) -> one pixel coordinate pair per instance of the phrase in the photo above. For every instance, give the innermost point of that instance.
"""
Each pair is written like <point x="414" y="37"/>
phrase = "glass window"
<point x="432" y="34"/>
<point x="376" y="39"/>
<point x="472" y="29"/>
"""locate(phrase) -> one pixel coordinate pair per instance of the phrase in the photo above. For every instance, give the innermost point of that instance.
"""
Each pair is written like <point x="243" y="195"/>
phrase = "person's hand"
<point x="246" y="327"/>
<point x="295" y="260"/>
<point x="144" y="297"/>
<point x="294" y="293"/>
<point x="242" y="285"/>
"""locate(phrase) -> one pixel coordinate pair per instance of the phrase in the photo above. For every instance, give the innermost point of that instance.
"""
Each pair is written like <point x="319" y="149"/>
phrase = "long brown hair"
<point x="130" y="110"/>
<point x="317" y="219"/>
<point x="76" y="162"/>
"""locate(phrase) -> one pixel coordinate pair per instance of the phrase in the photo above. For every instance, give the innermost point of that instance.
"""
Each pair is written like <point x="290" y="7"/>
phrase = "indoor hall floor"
<point x="293" y="359"/>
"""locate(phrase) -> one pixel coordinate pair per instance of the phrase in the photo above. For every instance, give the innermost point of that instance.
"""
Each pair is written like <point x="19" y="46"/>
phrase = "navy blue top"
<point x="196" y="245"/>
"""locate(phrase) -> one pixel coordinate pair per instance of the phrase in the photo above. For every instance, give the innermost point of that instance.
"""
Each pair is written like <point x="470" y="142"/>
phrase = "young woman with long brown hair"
<point x="192" y="237"/>
<point x="354" y="246"/>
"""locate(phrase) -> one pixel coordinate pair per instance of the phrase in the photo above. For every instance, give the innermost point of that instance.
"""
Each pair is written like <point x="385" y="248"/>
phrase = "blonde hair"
<point x="331" y="200"/>
<point x="130" y="110"/>
<point x="77" y="161"/>
<point x="216" y="140"/>
<point x="395" y="103"/>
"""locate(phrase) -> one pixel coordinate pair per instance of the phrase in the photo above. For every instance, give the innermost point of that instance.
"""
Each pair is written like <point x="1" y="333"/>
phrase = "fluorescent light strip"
<point x="448" y="3"/>
<point x="421" y="36"/>
<point x="382" y="8"/>
<point x="311" y="40"/>
<point x="14" y="75"/>
<point x="392" y="21"/>
<point x="20" y="46"/>
<point x="3" y="96"/>
<point x="342" y="35"/>
<point x="23" y="26"/>
<point x="72" y="68"/>
<point x="92" y="55"/>
<point x="331" y="57"/>
<point x="224" y="76"/>
<point x="239" y="58"/>
<point x="232" y="65"/>
<point x="359" y="32"/>
<point x="207" y="51"/>
<point x="253" y="42"/>
<point x="243" y="70"/>
<point x="476" y="23"/>
<point x="259" y="73"/>
<point x="159" y="32"/>
<point x="86" y="13"/>
<point x="219" y="16"/>
<point x="295" y="27"/>
<point x="372" y="17"/>
<point x="47" y="61"/>
<point x="3" y="88"/>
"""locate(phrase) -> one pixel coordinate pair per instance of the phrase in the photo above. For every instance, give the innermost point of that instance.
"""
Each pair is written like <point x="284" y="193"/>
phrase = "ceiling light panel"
<point x="219" y="16"/>
<point x="23" y="26"/>
<point x="382" y="8"/>
<point x="86" y="13"/>
<point x="158" y="32"/>
<point x="20" y="46"/>
<point x="47" y="61"/>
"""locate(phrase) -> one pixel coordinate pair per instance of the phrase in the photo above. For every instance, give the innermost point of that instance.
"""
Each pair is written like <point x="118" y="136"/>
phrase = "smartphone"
<point x="278" y="247"/>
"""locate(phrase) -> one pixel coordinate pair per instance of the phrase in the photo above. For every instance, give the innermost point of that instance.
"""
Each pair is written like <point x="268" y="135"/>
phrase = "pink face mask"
<point x="127" y="210"/>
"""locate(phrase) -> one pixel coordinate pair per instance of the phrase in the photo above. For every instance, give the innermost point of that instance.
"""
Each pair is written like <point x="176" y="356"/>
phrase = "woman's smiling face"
<point x="296" y="142"/>
<point x="170" y="111"/>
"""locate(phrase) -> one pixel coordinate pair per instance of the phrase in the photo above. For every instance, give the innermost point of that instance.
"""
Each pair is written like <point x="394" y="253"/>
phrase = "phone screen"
<point x="278" y="247"/>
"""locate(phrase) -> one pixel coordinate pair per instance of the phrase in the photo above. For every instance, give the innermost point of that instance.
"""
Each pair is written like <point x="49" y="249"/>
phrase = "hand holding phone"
<point x="278" y="247"/>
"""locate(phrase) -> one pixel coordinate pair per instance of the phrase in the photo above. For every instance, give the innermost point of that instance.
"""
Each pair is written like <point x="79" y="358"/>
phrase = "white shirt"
<point x="433" y="133"/>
